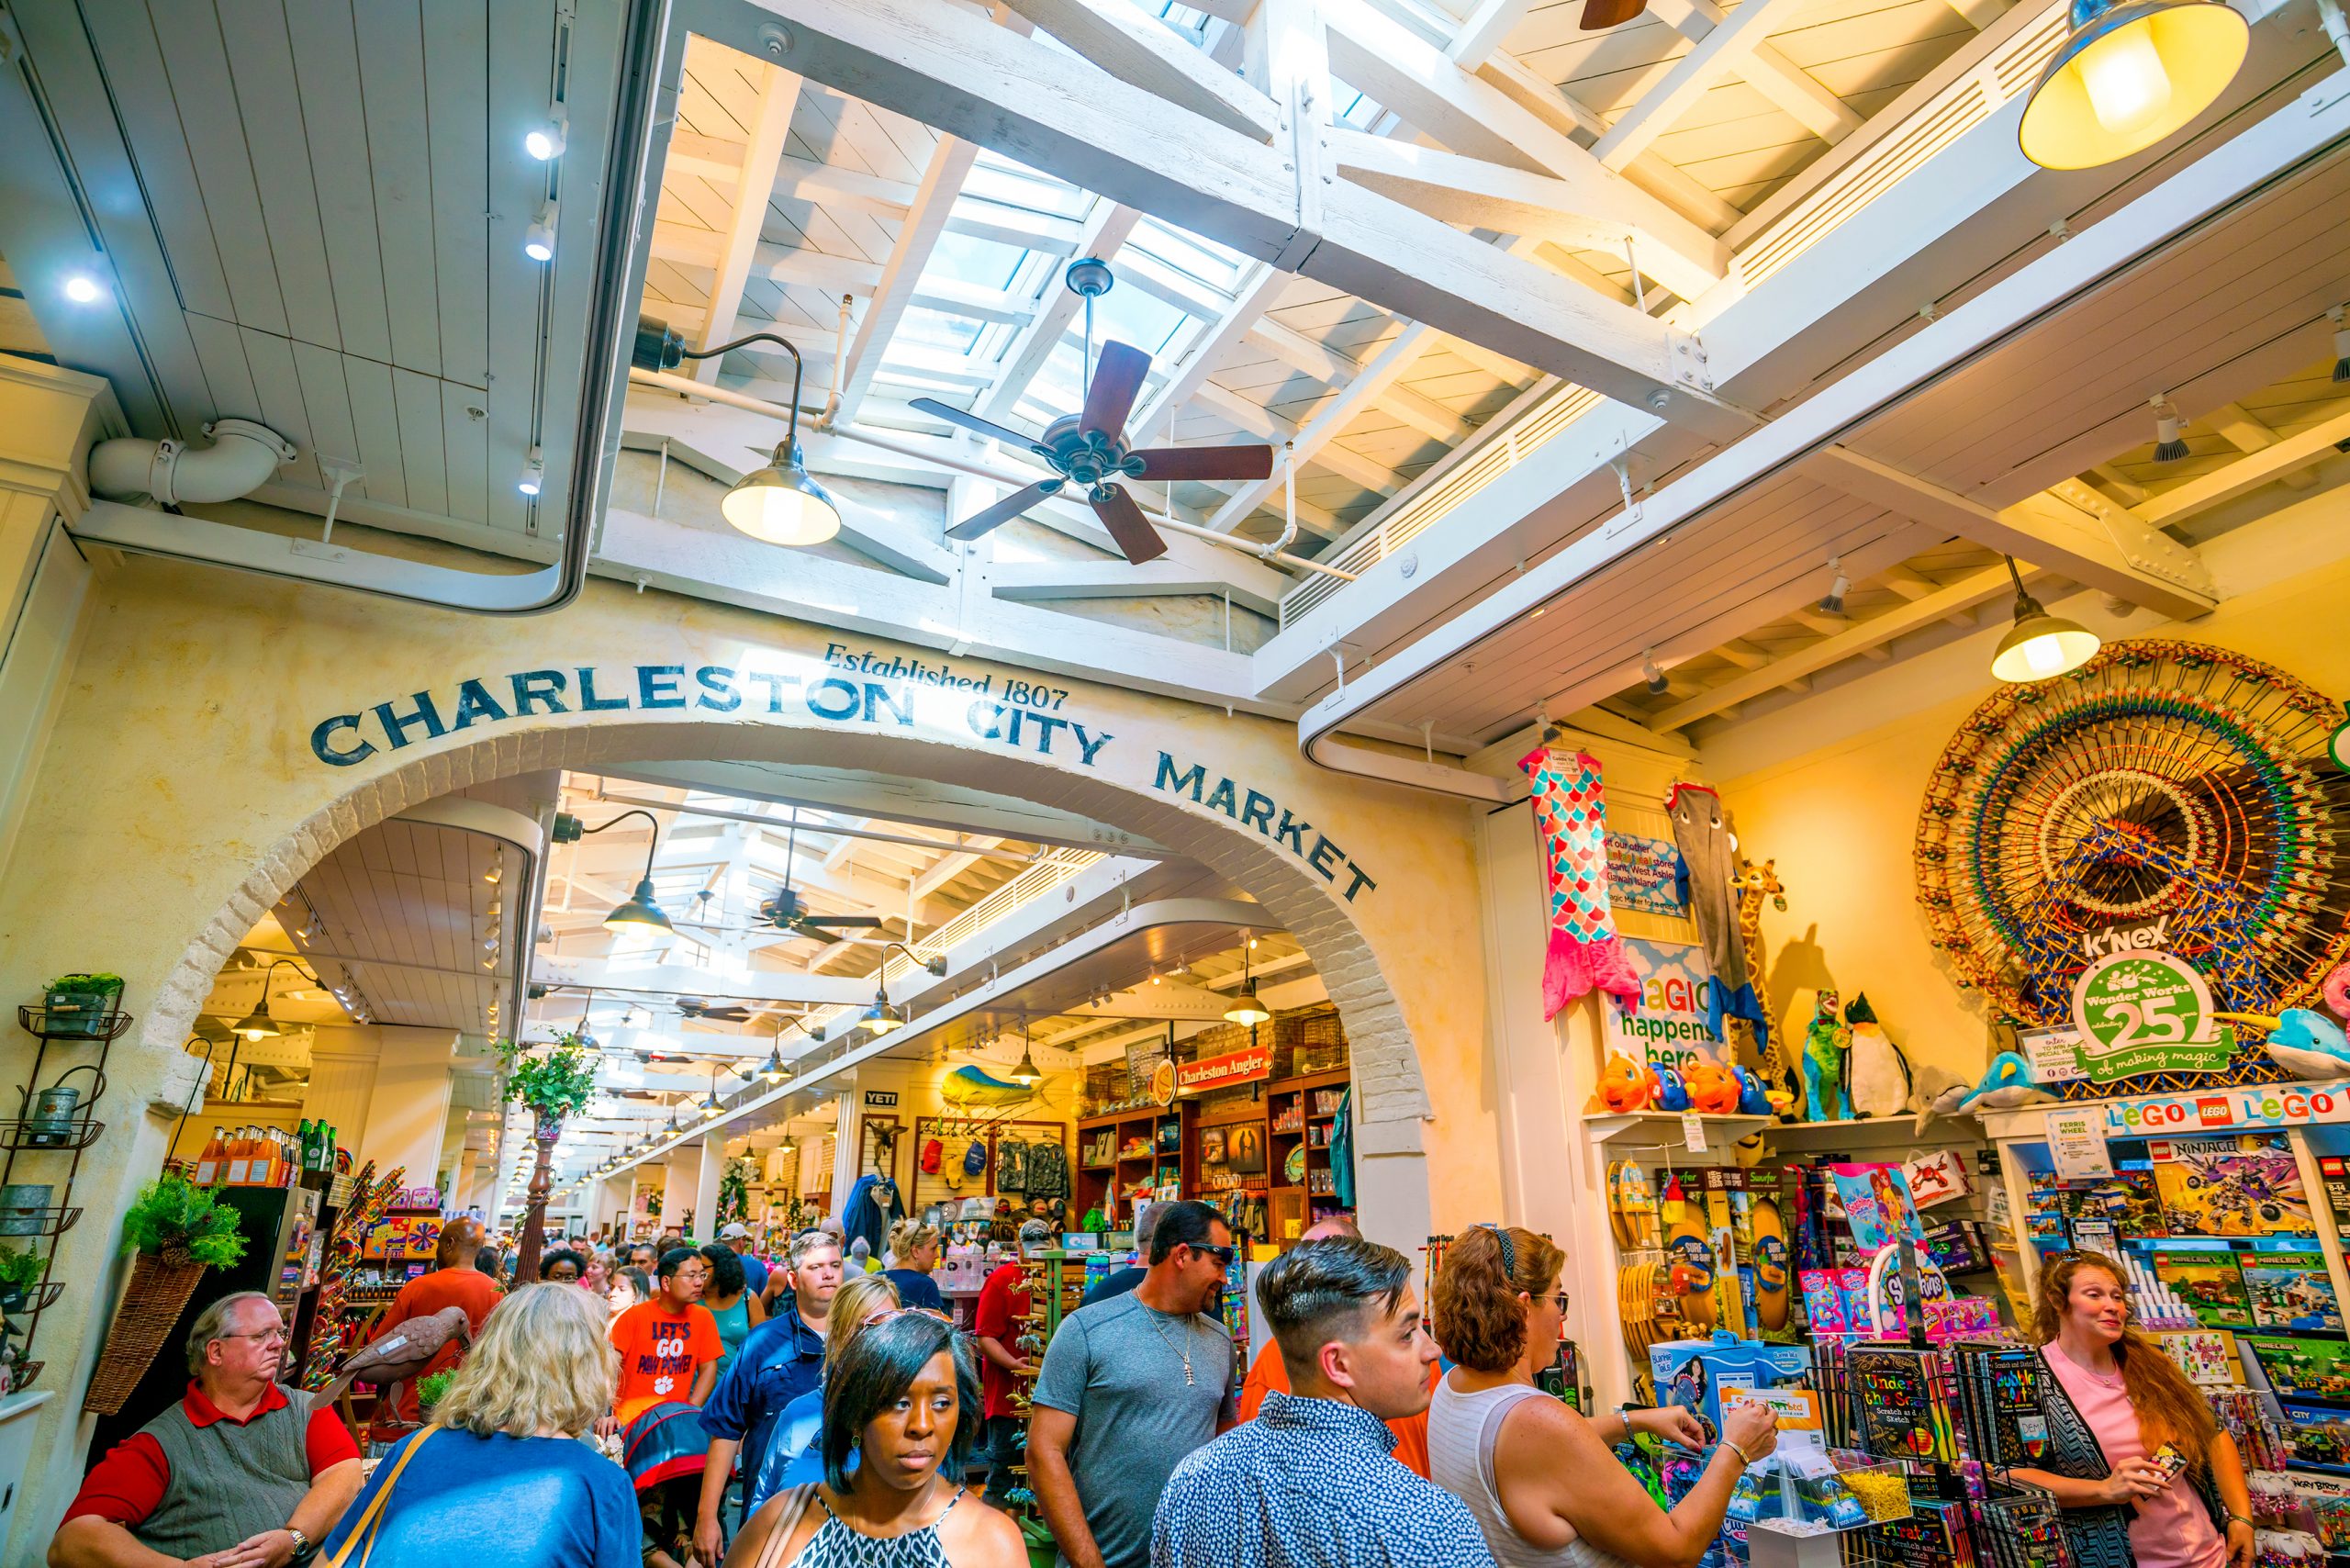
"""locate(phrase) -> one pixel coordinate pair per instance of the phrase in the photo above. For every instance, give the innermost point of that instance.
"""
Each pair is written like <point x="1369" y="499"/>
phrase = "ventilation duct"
<point x="243" y="456"/>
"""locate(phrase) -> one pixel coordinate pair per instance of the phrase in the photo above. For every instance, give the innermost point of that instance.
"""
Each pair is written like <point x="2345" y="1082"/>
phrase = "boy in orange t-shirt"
<point x="669" y="1346"/>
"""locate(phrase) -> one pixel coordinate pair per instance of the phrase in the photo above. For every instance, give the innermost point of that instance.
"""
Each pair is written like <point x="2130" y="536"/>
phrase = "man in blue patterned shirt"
<point x="1312" y="1482"/>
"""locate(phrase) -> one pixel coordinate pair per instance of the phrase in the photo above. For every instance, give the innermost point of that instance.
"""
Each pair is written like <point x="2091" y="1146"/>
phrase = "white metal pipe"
<point x="243" y="457"/>
<point x="670" y="382"/>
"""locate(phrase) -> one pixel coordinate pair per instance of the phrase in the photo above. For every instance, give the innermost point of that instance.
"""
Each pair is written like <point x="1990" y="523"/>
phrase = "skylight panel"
<point x="1211" y="264"/>
<point x="966" y="258"/>
<point x="936" y="328"/>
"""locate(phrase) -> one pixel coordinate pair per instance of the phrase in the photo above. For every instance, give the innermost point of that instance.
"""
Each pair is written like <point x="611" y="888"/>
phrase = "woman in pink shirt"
<point x="2129" y="1403"/>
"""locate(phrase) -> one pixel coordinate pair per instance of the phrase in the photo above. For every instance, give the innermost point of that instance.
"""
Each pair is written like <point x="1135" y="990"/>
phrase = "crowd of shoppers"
<point x="777" y="1417"/>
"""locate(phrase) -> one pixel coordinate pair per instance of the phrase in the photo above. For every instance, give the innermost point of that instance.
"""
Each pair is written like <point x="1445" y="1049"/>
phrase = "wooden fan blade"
<point x="1126" y="525"/>
<point x="1004" y="511"/>
<point x="1600" y="14"/>
<point x="1205" y="462"/>
<point x="842" y="922"/>
<point x="1117" y="378"/>
<point x="973" y="423"/>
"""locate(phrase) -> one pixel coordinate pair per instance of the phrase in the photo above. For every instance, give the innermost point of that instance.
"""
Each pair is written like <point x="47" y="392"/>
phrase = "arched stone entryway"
<point x="220" y="735"/>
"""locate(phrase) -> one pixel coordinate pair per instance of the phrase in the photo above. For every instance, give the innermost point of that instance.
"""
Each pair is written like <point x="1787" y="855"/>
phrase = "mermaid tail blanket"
<point x="1570" y="822"/>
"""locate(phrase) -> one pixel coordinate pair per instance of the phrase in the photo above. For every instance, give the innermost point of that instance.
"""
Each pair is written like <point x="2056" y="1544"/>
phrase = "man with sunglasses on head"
<point x="1129" y="1387"/>
<point x="240" y="1473"/>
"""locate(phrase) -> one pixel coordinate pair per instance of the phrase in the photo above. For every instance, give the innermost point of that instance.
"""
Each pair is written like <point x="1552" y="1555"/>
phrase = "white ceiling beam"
<point x="1908" y="581"/>
<point x="609" y="978"/>
<point x="1326" y="365"/>
<point x="683" y="245"/>
<point x="1776" y="77"/>
<point x="1743" y="653"/>
<point x="1590" y="212"/>
<point x="1143" y="52"/>
<point x="972" y="301"/>
<point x="1679" y="191"/>
<point x="1039" y="580"/>
<point x="1482" y="30"/>
<point x="2053" y="530"/>
<point x="754" y="184"/>
<point x="1016" y="227"/>
<point x="1105" y="229"/>
<point x="1723" y="46"/>
<point x="2292" y="454"/>
<point x="935" y="201"/>
<point x="1210" y="347"/>
<point x="1473" y="117"/>
<point x="1347" y="463"/>
<point x="2246" y="431"/>
<point x="1320" y="433"/>
<point x="967" y="76"/>
<point x="1860" y="638"/>
<point x="949" y="866"/>
<point x="1424" y="414"/>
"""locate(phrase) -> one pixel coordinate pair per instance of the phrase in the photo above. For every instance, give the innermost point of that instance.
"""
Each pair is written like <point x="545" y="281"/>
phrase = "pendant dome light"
<point x="1246" y="1008"/>
<point x="2129" y="73"/>
<point x="641" y="909"/>
<point x="781" y="503"/>
<point x="2039" y="645"/>
<point x="258" y="1025"/>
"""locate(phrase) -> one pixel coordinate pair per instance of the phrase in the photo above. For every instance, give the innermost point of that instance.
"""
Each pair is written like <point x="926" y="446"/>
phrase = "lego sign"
<point x="2267" y="1104"/>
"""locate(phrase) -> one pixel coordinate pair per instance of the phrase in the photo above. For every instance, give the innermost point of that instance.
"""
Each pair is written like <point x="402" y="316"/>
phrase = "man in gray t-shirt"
<point x="1129" y="1386"/>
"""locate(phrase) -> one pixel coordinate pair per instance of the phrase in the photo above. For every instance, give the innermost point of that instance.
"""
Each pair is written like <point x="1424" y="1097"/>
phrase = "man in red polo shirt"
<point x="240" y="1473"/>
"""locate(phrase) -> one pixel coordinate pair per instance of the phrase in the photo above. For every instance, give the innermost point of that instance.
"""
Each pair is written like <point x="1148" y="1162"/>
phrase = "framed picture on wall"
<point x="1211" y="1145"/>
<point x="1245" y="1152"/>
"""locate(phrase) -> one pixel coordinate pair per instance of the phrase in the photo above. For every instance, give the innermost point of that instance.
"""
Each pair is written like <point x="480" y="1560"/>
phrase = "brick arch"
<point x="1387" y="1072"/>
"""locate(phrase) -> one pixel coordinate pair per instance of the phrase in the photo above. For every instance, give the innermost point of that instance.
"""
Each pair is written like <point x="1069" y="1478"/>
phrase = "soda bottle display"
<point x="211" y="1166"/>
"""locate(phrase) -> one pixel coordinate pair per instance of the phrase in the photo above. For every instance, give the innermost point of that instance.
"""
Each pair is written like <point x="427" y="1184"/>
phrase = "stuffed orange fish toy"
<point x="1712" y="1090"/>
<point x="1624" y="1086"/>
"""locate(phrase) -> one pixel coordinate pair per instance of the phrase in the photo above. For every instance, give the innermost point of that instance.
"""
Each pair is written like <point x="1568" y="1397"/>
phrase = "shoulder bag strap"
<point x="362" y="1538"/>
<point x="786" y="1519"/>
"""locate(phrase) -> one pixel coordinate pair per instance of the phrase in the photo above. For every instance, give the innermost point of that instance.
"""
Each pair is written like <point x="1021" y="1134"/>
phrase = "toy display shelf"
<point x="1875" y="1135"/>
<point x="1662" y="1129"/>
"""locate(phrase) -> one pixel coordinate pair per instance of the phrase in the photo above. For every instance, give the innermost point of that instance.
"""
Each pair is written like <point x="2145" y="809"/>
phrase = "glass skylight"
<point x="965" y="258"/>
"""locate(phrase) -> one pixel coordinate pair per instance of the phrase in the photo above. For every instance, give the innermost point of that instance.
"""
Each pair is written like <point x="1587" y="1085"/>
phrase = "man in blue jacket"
<point x="781" y="1359"/>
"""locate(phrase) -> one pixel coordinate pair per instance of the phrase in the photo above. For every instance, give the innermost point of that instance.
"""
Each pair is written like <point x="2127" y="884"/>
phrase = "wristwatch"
<point x="301" y="1543"/>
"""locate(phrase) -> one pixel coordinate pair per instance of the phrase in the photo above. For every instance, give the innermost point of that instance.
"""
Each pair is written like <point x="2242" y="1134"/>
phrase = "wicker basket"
<point x="150" y="1309"/>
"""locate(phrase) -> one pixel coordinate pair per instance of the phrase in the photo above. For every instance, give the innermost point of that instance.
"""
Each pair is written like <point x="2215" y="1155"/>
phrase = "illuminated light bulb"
<point x="538" y="241"/>
<point x="2128" y="88"/>
<point x="83" y="289"/>
<point x="545" y="142"/>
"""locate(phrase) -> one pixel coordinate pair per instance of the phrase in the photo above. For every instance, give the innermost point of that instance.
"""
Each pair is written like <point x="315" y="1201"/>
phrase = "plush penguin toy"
<point x="1880" y="1073"/>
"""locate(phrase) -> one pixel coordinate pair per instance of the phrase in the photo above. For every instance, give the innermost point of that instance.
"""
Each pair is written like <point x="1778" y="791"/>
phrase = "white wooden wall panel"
<point x="282" y="409"/>
<point x="464" y="448"/>
<point x="390" y="39"/>
<point x="375" y="424"/>
<point x="457" y="45"/>
<point x="326" y="61"/>
<point x="142" y="97"/>
<point x="221" y="348"/>
<point x="326" y="402"/>
<point x="417" y="399"/>
<point x="189" y="37"/>
<point x="261" y="65"/>
<point x="519" y="88"/>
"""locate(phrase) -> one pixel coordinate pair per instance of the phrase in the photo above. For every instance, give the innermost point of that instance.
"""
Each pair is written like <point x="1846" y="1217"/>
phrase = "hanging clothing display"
<point x="1570" y="824"/>
<point x="1010" y="1165"/>
<point x="1047" y="1169"/>
<point x="1342" y="1150"/>
<point x="1702" y="834"/>
<point x="872" y="1208"/>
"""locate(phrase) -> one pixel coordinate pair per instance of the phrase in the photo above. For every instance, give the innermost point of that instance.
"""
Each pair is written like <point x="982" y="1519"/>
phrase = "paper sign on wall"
<point x="2076" y="1145"/>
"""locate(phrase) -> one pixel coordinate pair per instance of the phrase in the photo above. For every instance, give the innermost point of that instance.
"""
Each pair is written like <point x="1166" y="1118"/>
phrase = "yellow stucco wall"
<point x="1840" y="820"/>
<point x="180" y="795"/>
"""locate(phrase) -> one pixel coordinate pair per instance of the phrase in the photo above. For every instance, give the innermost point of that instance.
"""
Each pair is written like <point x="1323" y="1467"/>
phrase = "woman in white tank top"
<point x="1541" y="1479"/>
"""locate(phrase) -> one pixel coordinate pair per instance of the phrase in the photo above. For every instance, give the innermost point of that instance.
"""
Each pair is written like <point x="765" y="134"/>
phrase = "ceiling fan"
<point x="699" y="1007"/>
<point x="1089" y="448"/>
<point x="789" y="911"/>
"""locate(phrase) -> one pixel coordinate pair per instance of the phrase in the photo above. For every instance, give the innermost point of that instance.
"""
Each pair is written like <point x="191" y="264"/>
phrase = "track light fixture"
<point x="545" y="142"/>
<point x="2128" y="74"/>
<point x="1832" y="602"/>
<point x="534" y="473"/>
<point x="538" y="241"/>
<point x="2337" y="315"/>
<point x="2168" y="446"/>
<point x="1652" y="677"/>
<point x="2039" y="645"/>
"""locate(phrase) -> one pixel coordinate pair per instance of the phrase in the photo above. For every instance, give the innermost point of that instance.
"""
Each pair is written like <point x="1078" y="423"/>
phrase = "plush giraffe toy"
<point x="1753" y="884"/>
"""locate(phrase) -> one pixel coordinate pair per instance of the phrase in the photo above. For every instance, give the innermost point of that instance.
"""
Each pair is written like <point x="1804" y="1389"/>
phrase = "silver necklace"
<point x="1184" y="1354"/>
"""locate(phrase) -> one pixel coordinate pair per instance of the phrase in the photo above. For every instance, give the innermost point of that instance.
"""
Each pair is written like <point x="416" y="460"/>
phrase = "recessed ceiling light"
<point x="83" y="289"/>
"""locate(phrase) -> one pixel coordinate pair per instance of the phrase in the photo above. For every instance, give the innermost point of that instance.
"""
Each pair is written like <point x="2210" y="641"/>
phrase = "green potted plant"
<point x="735" y="1190"/>
<point x="552" y="1085"/>
<point x="19" y="1273"/>
<point x="78" y="1004"/>
<point x="428" y="1390"/>
<point x="178" y="1230"/>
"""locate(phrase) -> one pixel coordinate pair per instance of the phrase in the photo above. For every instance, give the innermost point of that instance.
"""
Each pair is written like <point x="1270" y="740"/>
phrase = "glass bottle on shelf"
<point x="211" y="1165"/>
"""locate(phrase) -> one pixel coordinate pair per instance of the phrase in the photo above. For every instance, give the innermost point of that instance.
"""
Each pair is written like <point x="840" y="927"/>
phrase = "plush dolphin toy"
<point x="2008" y="1086"/>
<point x="1936" y="1092"/>
<point x="2303" y="1042"/>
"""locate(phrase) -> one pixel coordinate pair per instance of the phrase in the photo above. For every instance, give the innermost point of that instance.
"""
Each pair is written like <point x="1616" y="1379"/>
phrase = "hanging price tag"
<point x="1693" y="1132"/>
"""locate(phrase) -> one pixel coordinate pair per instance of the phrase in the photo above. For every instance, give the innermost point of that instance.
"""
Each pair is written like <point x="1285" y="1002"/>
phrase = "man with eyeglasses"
<point x="1129" y="1387"/>
<point x="242" y="1472"/>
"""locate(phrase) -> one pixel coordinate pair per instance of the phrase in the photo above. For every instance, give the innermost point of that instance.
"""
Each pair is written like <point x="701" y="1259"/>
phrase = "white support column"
<point x="408" y="1115"/>
<point x="845" y="1141"/>
<point x="344" y="1060"/>
<point x="678" y="1187"/>
<point x="712" y="1166"/>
